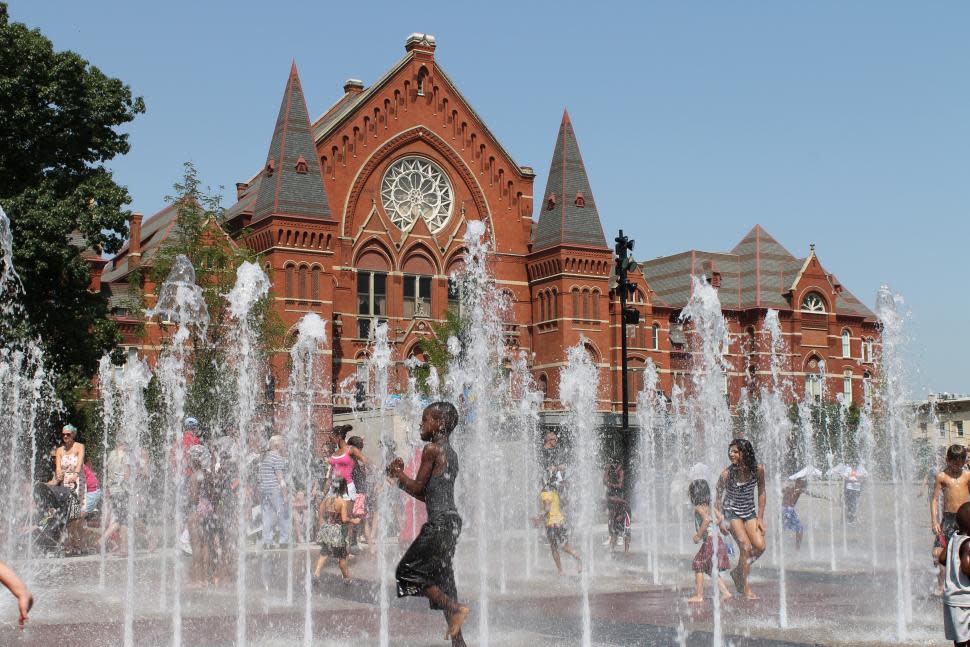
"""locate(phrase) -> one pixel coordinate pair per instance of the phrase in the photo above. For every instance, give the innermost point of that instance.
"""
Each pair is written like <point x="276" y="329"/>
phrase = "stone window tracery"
<point x="813" y="302"/>
<point x="414" y="188"/>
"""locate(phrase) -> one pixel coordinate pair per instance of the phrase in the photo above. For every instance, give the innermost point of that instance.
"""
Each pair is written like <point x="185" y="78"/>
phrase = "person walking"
<point x="272" y="490"/>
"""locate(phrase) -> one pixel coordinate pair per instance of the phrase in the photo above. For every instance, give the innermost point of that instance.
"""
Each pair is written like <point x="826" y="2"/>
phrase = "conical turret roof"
<point x="568" y="213"/>
<point x="292" y="184"/>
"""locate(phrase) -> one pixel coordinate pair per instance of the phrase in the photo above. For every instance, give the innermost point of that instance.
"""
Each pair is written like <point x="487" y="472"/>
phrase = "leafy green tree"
<point x="59" y="120"/>
<point x="435" y="348"/>
<point x="198" y="235"/>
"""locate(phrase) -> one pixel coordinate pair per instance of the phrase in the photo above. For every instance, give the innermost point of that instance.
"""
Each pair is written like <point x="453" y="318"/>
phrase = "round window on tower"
<point x="415" y="187"/>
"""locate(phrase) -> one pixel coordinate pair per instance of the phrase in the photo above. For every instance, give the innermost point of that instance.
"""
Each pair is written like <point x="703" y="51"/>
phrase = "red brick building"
<point x="360" y="215"/>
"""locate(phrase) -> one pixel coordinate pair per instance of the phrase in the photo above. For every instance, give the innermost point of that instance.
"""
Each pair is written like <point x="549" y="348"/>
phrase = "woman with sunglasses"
<point x="68" y="462"/>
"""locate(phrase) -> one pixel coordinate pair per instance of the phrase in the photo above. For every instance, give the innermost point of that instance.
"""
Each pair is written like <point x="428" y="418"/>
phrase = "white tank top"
<point x="956" y="585"/>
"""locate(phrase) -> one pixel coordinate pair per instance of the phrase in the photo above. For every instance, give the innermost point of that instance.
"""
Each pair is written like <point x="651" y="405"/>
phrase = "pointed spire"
<point x="292" y="183"/>
<point x="568" y="213"/>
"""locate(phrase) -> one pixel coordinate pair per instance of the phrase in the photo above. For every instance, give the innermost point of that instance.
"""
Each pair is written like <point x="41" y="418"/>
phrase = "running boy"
<point x="426" y="568"/>
<point x="790" y="519"/>
<point x="700" y="497"/>
<point x="956" y="591"/>
<point x="555" y="521"/>
<point x="954" y="483"/>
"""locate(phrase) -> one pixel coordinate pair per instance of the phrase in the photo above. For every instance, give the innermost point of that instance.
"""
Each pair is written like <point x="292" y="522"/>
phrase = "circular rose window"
<point x="414" y="188"/>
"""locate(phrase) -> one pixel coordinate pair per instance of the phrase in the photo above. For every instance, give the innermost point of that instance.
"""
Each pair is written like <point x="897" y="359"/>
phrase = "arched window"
<point x="554" y="299"/>
<point x="290" y="282"/>
<point x="315" y="283"/>
<point x="544" y="386"/>
<point x="372" y="271"/>
<point x="655" y="337"/>
<point x="575" y="303"/>
<point x="846" y="344"/>
<point x="586" y="300"/>
<point x="813" y="302"/>
<point x="418" y="270"/>
<point x="596" y="304"/>
<point x="542" y="306"/>
<point x="304" y="275"/>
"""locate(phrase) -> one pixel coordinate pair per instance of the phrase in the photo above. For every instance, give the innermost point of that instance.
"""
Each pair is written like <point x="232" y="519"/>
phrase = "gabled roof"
<point x="154" y="231"/>
<point x="568" y="213"/>
<point x="292" y="183"/>
<point x="757" y="273"/>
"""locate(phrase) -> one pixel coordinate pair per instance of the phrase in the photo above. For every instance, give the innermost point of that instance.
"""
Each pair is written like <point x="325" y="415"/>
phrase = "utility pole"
<point x="624" y="265"/>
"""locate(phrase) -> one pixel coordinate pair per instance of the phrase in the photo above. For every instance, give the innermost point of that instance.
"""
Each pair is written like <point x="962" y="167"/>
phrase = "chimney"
<point x="353" y="86"/>
<point x="241" y="188"/>
<point x="134" y="240"/>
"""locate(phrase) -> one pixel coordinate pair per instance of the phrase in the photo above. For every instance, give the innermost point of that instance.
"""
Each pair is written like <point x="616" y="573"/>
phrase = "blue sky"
<point x="839" y="124"/>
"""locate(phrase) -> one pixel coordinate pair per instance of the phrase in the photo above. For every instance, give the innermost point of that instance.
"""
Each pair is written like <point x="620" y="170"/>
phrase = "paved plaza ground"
<point x="852" y="607"/>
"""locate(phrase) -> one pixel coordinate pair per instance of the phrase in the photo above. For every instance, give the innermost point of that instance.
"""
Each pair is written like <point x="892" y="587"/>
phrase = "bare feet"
<point x="455" y="620"/>
<point x="726" y="596"/>
<point x="695" y="599"/>
<point x="750" y="595"/>
<point x="736" y="578"/>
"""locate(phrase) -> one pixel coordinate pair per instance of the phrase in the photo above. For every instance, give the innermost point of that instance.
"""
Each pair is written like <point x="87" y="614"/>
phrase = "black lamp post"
<point x="624" y="265"/>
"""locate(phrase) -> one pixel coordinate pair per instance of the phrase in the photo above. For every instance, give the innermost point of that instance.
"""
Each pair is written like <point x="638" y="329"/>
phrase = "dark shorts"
<point x="948" y="526"/>
<point x="331" y="551"/>
<point x="703" y="560"/>
<point x="427" y="561"/>
<point x="557" y="535"/>
<point x="729" y="515"/>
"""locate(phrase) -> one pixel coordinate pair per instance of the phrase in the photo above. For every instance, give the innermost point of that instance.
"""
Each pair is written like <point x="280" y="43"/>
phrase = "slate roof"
<point x="563" y="220"/>
<point x="286" y="190"/>
<point x="154" y="231"/>
<point x="757" y="273"/>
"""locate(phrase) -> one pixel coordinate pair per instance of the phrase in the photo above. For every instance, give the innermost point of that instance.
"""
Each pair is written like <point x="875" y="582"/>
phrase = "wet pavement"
<point x="541" y="610"/>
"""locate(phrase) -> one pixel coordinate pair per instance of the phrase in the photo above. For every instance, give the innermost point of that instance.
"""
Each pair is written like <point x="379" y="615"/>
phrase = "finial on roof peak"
<point x="811" y="247"/>
<point x="420" y="41"/>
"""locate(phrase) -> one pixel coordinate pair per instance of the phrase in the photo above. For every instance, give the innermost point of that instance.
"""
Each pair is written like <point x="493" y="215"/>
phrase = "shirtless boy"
<point x="954" y="483"/>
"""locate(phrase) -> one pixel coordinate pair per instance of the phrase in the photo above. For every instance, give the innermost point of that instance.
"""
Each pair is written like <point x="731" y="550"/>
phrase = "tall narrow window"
<point x="454" y="296"/>
<point x="417" y="296"/>
<point x="575" y="303"/>
<point x="304" y="275"/>
<point x="847" y="386"/>
<point x="867" y="390"/>
<point x="586" y="300"/>
<point x="371" y="300"/>
<point x="846" y="344"/>
<point x="813" y="388"/>
<point x="315" y="284"/>
<point x="290" y="281"/>
<point x="542" y="306"/>
<point x="868" y="354"/>
<point x="596" y="304"/>
<point x="554" y="301"/>
<point x="655" y="337"/>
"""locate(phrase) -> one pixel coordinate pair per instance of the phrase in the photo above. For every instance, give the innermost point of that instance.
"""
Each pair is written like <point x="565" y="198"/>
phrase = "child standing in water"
<point x="956" y="590"/>
<point x="790" y="519"/>
<point x="736" y="503"/>
<point x="954" y="483"/>
<point x="426" y="568"/>
<point x="700" y="497"/>
<point x="555" y="520"/>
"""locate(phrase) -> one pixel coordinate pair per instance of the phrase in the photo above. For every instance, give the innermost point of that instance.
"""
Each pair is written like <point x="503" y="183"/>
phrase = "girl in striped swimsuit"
<point x="736" y="503"/>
